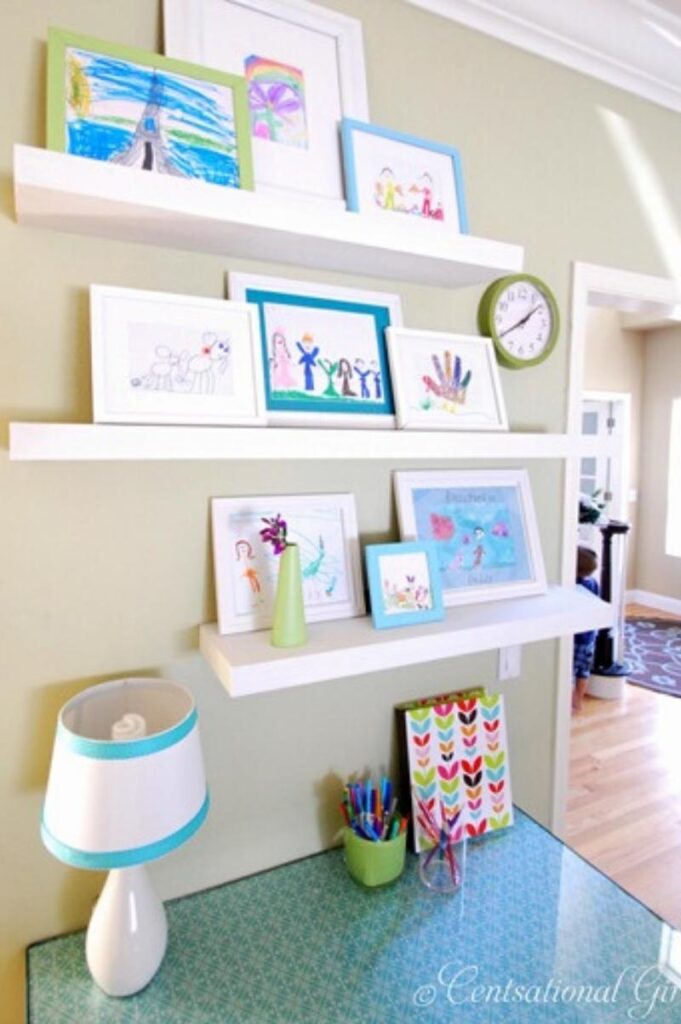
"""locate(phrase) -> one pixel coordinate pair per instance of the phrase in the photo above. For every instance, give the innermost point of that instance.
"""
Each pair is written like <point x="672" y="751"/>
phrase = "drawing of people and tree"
<point x="309" y="366"/>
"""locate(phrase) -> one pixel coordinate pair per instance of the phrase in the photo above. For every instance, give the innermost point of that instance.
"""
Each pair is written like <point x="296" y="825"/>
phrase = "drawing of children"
<point x="389" y="188"/>
<point x="427" y="193"/>
<point x="363" y="374"/>
<point x="378" y="382"/>
<point x="345" y="372"/>
<point x="281" y="363"/>
<point x="308" y="358"/>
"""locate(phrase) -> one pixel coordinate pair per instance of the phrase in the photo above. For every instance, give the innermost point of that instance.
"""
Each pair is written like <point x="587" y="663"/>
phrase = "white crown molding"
<point x="632" y="44"/>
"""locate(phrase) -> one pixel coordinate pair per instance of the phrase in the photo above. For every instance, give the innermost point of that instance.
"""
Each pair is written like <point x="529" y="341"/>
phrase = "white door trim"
<point x="596" y="285"/>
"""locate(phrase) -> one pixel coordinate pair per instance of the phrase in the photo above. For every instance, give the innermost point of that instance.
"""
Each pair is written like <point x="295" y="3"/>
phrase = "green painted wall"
<point x="106" y="568"/>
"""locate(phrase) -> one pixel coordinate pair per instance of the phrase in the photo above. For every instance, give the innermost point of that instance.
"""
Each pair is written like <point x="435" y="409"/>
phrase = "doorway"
<point x="614" y="748"/>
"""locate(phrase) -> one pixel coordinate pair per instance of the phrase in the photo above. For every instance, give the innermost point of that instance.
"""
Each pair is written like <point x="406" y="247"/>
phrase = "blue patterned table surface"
<point x="536" y="934"/>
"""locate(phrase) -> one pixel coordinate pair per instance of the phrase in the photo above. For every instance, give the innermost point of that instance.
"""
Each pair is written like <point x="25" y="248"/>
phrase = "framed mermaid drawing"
<point x="161" y="358"/>
<point x="483" y="526"/>
<point x="323" y="351"/>
<point x="324" y="526"/>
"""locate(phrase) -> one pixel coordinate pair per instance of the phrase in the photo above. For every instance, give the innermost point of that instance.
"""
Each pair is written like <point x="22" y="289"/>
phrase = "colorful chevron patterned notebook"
<point x="458" y="761"/>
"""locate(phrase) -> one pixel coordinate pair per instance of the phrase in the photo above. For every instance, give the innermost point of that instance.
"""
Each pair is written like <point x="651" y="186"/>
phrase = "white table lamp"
<point x="126" y="786"/>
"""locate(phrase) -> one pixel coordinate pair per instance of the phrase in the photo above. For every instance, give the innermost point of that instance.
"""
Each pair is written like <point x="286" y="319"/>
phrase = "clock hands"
<point x="521" y="322"/>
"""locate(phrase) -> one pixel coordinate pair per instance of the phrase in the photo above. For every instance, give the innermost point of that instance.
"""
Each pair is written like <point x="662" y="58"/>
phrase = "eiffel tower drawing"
<point x="148" y="149"/>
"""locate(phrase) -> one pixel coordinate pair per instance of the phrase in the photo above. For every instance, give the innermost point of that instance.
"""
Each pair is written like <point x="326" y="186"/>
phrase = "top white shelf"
<point x="91" y="197"/>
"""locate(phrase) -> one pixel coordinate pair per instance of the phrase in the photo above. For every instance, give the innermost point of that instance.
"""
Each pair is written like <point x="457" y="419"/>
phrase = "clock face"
<point x="523" y="321"/>
<point x="521" y="315"/>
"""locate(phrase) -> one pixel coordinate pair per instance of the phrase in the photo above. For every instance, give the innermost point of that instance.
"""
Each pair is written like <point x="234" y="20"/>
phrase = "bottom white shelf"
<point x="246" y="663"/>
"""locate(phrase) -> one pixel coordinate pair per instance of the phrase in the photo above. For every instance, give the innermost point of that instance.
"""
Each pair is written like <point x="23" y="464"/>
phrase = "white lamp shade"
<point x="117" y="803"/>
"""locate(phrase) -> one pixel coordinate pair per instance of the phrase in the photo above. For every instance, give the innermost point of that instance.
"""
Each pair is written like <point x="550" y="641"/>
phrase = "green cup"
<point x="376" y="863"/>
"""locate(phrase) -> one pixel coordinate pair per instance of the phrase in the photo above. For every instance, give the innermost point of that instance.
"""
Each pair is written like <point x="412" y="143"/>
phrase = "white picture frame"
<point x="325" y="528"/>
<point x="342" y="321"/>
<point x="444" y="381"/>
<point x="484" y="528"/>
<point x="293" y="53"/>
<point x="169" y="359"/>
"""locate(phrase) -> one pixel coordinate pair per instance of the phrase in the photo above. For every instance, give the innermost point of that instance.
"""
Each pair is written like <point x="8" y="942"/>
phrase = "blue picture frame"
<point x="378" y="403"/>
<point x="386" y="192"/>
<point x="400" y="597"/>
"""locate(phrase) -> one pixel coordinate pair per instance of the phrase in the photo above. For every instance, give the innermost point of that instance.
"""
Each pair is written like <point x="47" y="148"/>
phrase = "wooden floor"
<point x="624" y="804"/>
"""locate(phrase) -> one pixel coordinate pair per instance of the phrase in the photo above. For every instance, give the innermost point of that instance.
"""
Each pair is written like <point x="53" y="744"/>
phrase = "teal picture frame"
<point x="127" y="106"/>
<point x="398" y="596"/>
<point x="353" y="184"/>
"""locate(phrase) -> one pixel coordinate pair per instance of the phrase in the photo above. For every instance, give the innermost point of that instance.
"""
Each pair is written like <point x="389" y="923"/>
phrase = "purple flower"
<point x="274" y="533"/>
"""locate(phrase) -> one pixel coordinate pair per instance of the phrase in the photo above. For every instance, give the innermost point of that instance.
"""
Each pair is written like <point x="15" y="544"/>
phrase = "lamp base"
<point x="127" y="935"/>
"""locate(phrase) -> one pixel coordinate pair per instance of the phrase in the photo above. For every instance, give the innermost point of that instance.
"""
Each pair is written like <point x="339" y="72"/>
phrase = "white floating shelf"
<point x="91" y="197"/>
<point x="246" y="663"/>
<point x="98" y="442"/>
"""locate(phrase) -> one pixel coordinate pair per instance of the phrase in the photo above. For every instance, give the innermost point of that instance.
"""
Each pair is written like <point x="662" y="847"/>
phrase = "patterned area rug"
<point x="653" y="652"/>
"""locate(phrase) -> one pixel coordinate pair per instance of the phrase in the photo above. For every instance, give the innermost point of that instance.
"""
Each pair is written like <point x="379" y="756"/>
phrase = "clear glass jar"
<point x="442" y="867"/>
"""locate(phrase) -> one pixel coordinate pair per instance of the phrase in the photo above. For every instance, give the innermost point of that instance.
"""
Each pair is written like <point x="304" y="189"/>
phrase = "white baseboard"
<point x="658" y="601"/>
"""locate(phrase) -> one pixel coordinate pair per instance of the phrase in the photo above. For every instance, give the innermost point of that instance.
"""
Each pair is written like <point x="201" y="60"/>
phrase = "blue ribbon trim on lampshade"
<point x="119" y="750"/>
<point x="105" y="861"/>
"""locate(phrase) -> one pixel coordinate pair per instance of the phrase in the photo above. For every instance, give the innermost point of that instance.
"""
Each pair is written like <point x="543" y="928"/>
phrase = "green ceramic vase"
<point x="288" y="626"/>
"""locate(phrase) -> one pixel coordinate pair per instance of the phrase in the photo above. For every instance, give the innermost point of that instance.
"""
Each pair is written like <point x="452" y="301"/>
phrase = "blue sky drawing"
<point x="196" y="118"/>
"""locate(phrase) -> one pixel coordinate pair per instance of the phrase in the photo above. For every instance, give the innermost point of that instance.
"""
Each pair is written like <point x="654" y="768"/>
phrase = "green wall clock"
<point x="520" y="314"/>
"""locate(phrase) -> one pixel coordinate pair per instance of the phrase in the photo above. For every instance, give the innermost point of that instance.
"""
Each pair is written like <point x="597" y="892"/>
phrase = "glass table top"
<point x="536" y="934"/>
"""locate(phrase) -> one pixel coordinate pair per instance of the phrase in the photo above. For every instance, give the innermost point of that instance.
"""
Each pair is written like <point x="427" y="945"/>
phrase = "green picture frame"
<point x="122" y="105"/>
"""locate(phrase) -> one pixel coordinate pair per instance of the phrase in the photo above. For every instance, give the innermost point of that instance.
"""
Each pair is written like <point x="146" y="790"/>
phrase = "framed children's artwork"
<point x="324" y="526"/>
<point x="484" y="528"/>
<point x="304" y="67"/>
<point x="404" y="584"/>
<point x="445" y="381"/>
<point x="162" y="358"/>
<point x="137" y="109"/>
<point x="323" y="351"/>
<point x="387" y="172"/>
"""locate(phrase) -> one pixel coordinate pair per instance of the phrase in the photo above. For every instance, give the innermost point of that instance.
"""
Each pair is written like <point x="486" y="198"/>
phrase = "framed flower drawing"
<point x="324" y="526"/>
<point x="404" y="584"/>
<point x="388" y="173"/>
<point x="304" y="67"/>
<point x="484" y="528"/>
<point x="161" y="358"/>
<point x="445" y="381"/>
<point x="323" y="351"/>
<point x="136" y="109"/>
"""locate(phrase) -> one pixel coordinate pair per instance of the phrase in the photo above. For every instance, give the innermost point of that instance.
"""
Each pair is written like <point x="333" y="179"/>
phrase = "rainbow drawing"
<point x="276" y="98"/>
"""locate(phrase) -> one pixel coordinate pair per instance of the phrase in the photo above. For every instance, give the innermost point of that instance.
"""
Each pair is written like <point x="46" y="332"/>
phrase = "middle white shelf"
<point x="109" y="442"/>
<point x="246" y="663"/>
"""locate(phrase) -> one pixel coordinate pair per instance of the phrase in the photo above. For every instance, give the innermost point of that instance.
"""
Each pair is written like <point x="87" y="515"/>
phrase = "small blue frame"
<point x="381" y="317"/>
<point x="409" y="617"/>
<point x="349" y="127"/>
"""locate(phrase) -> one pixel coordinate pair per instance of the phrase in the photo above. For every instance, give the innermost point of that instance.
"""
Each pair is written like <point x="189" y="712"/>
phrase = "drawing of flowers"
<point x="276" y="97"/>
<point x="406" y="595"/>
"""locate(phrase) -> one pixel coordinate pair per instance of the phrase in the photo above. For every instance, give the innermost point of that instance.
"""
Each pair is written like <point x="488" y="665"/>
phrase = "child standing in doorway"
<point x="585" y="643"/>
